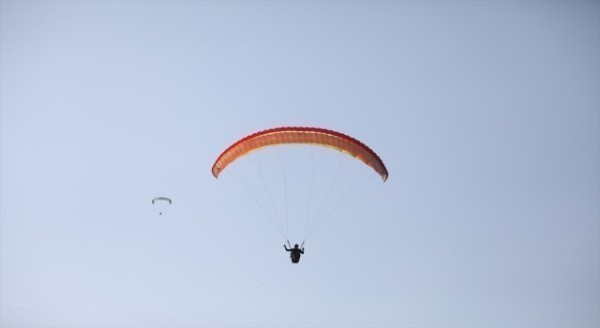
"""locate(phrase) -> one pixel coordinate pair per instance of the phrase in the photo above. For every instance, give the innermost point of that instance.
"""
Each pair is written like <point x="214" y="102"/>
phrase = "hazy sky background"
<point x="486" y="113"/>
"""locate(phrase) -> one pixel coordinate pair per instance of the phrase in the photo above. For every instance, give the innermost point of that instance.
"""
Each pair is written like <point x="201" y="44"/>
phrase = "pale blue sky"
<point x="486" y="113"/>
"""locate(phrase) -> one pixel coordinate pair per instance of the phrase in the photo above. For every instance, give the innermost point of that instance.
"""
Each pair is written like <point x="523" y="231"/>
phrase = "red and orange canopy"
<point x="300" y="135"/>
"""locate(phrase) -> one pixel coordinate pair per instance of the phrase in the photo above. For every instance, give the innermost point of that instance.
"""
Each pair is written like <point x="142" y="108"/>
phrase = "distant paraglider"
<point x="160" y="201"/>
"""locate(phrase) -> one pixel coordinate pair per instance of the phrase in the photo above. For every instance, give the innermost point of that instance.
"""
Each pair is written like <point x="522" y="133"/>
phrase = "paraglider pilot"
<point x="294" y="252"/>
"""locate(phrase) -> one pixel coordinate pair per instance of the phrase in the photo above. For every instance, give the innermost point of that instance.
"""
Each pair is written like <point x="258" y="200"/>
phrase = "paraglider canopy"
<point x="310" y="181"/>
<point x="300" y="135"/>
<point x="158" y="199"/>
